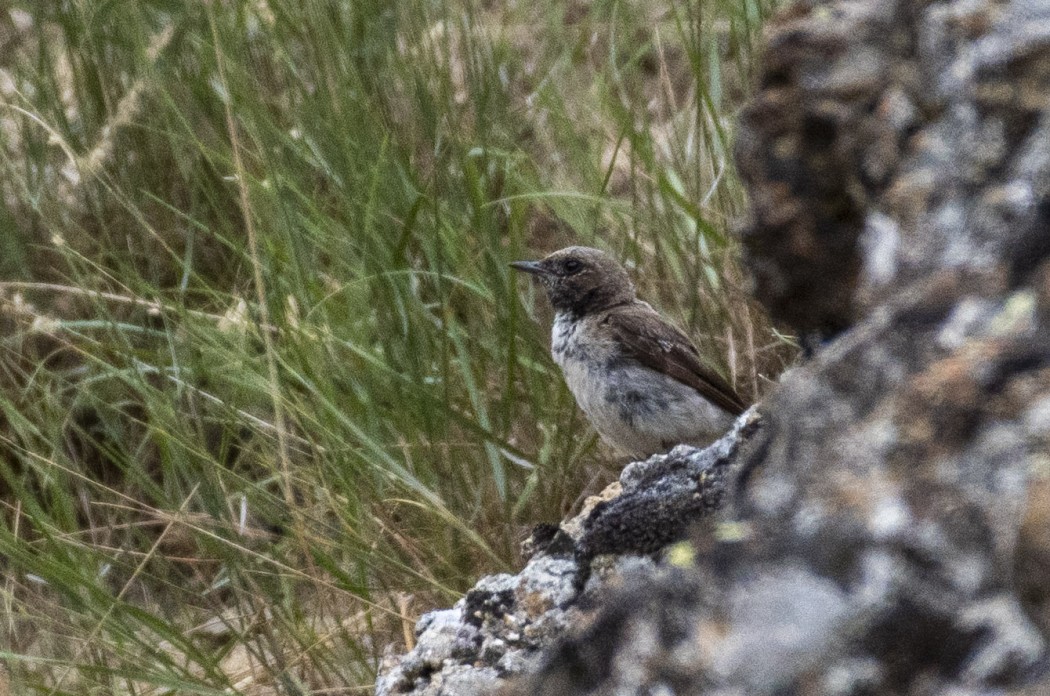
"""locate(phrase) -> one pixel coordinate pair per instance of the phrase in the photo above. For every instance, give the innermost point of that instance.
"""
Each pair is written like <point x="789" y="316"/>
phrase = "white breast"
<point x="581" y="359"/>
<point x="633" y="408"/>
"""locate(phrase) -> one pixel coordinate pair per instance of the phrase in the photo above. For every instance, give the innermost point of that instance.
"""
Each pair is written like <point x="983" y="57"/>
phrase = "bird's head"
<point x="580" y="280"/>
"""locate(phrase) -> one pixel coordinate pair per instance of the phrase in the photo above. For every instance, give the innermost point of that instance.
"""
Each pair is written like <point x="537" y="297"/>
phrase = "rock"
<point x="503" y="623"/>
<point x="660" y="498"/>
<point x="497" y="629"/>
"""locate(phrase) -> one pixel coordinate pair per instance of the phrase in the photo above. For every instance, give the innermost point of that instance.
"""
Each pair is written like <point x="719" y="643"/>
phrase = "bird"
<point x="639" y="379"/>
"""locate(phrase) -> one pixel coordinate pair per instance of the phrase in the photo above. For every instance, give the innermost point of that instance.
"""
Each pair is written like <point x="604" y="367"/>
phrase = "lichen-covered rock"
<point x="659" y="499"/>
<point x="497" y="629"/>
<point x="889" y="139"/>
<point x="502" y="625"/>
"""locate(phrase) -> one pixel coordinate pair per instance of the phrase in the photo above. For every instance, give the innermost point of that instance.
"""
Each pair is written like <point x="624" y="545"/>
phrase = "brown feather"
<point x="650" y="340"/>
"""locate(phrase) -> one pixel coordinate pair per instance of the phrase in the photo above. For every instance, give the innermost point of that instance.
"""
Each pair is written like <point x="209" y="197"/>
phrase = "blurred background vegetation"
<point x="268" y="389"/>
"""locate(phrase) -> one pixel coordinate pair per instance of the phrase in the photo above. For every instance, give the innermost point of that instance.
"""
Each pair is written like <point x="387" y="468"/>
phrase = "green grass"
<point x="268" y="388"/>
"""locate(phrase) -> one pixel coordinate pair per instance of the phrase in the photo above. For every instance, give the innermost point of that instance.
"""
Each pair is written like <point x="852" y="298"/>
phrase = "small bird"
<point x="638" y="378"/>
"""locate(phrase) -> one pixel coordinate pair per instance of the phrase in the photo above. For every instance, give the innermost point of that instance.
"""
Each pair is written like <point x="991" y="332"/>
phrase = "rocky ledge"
<point x="882" y="524"/>
<point x="505" y="622"/>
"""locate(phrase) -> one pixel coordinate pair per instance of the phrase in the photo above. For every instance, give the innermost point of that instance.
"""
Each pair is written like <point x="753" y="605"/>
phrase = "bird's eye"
<point x="572" y="266"/>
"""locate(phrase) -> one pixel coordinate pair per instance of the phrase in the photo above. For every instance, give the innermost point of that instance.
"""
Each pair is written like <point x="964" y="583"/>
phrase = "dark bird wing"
<point x="650" y="340"/>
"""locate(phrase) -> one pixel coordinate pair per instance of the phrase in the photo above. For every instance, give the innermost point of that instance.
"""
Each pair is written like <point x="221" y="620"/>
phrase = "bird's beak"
<point x="533" y="267"/>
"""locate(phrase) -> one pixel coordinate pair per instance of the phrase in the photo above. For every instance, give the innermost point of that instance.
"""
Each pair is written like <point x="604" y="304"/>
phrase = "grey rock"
<point x="780" y="624"/>
<point x="663" y="497"/>
<point x="496" y="630"/>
